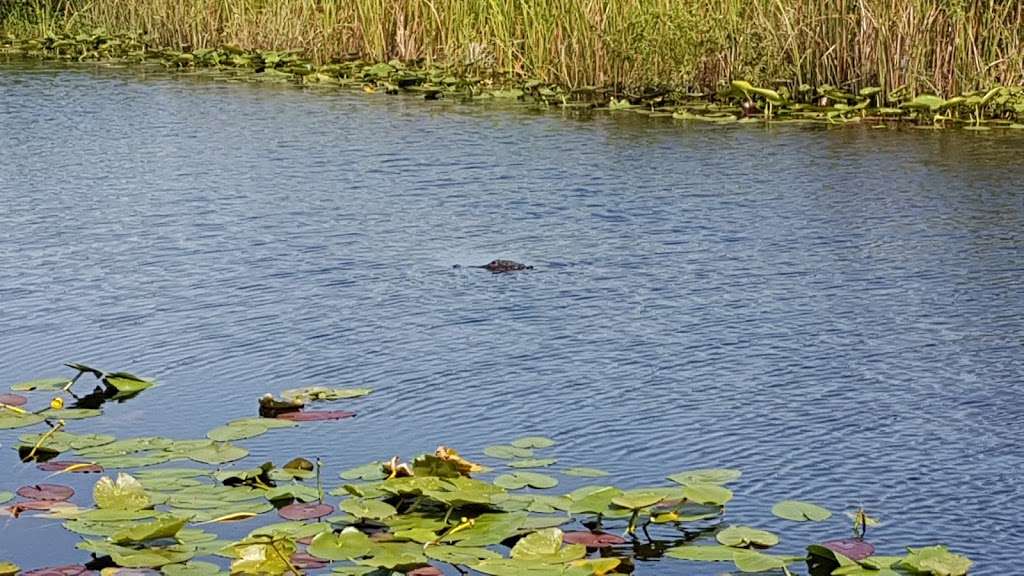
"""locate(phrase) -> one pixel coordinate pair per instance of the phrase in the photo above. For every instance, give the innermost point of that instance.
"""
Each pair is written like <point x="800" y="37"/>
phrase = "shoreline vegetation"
<point x="932" y="62"/>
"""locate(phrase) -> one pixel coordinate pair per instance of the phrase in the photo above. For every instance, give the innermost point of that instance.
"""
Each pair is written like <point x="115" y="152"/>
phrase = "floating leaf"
<point x="585" y="472"/>
<point x="853" y="548"/>
<point x="707" y="494"/>
<point x="370" y="509"/>
<point x="124" y="494"/>
<point x="532" y="463"/>
<point x="706" y="476"/>
<point x="799" y="511"/>
<point x="517" y="480"/>
<point x="371" y="471"/>
<point x="547" y="546"/>
<point x="10" y="419"/>
<point x="533" y="442"/>
<point x="302" y="511"/>
<point x="71" y="413"/>
<point x="127" y="385"/>
<point x="191" y="568"/>
<point x="754" y="561"/>
<point x="166" y="527"/>
<point x="460" y="554"/>
<point x="593" y="539"/>
<point x="637" y="499"/>
<point x="219" y="453"/>
<point x="743" y="536"/>
<point x="313" y="393"/>
<point x="42" y="384"/>
<point x="6" y="497"/>
<point x="316" y="415"/>
<point x="702" y="553"/>
<point x="69" y="466"/>
<point x="508" y="452"/>
<point x="262" y="557"/>
<point x="13" y="400"/>
<point x="46" y="492"/>
<point x="349" y="544"/>
<point x="231" y="432"/>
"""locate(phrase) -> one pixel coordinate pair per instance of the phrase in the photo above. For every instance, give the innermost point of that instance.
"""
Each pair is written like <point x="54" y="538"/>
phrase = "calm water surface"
<point x="839" y="313"/>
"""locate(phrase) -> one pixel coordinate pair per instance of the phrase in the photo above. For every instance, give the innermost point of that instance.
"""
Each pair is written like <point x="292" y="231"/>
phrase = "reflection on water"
<point x="839" y="313"/>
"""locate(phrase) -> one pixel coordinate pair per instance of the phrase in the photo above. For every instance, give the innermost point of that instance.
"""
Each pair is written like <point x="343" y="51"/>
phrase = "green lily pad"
<point x="799" y="511"/>
<point x="220" y="453"/>
<point x="517" y="480"/>
<point x="349" y="544"/>
<point x="6" y="496"/>
<point x="706" y="476"/>
<point x="269" y="423"/>
<point x="127" y="385"/>
<point x="262" y="556"/>
<point x="460" y="554"/>
<point x="191" y="568"/>
<point x="41" y="384"/>
<point x="71" y="413"/>
<point x="504" y="452"/>
<point x="592" y="499"/>
<point x="702" y="553"/>
<point x="231" y="432"/>
<point x="547" y="546"/>
<point x="124" y="494"/>
<point x="707" y="494"/>
<point x="533" y="442"/>
<point x="370" y="509"/>
<point x="637" y="499"/>
<point x="165" y="527"/>
<point x="936" y="560"/>
<point x="63" y="441"/>
<point x="532" y="463"/>
<point x="583" y="472"/>
<point x="314" y="393"/>
<point x="371" y="471"/>
<point x="744" y="536"/>
<point x="489" y="529"/>
<point x="754" y="561"/>
<point x="9" y="419"/>
<point x="392" y="555"/>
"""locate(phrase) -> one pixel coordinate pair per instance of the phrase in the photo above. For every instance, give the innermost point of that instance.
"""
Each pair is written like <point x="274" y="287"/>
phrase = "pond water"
<point x="838" y="313"/>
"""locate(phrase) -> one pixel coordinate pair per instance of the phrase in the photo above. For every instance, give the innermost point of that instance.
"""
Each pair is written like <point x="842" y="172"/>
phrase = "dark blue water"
<point x="838" y="313"/>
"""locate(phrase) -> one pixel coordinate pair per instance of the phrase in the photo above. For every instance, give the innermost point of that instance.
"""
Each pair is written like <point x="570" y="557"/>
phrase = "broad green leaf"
<point x="371" y="471"/>
<point x="799" y="511"/>
<point x="637" y="499"/>
<point x="42" y="384"/>
<point x="754" y="561"/>
<point x="743" y="536"/>
<point x="489" y="529"/>
<point x="532" y="463"/>
<point x="936" y="560"/>
<point x="706" y="476"/>
<point x="517" y="480"/>
<point x="165" y="527"/>
<point x="508" y="452"/>
<point x="701" y="553"/>
<point x="219" y="453"/>
<point x="349" y="544"/>
<point x="262" y="557"/>
<point x="533" y="442"/>
<point x="391" y="555"/>
<point x="314" y="393"/>
<point x="546" y="546"/>
<point x="231" y="432"/>
<point x="6" y="496"/>
<point x="370" y="509"/>
<point x="10" y="419"/>
<point x="191" y="568"/>
<point x="707" y="494"/>
<point x="63" y="441"/>
<point x="585" y="472"/>
<point x="124" y="494"/>
<point x="460" y="554"/>
<point x="70" y="413"/>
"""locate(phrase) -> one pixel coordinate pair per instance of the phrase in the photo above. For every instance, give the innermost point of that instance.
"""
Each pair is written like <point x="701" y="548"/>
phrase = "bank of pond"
<point x="159" y="505"/>
<point x="998" y="107"/>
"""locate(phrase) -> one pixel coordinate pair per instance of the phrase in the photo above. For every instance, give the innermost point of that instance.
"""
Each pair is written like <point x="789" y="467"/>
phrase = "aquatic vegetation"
<point x="738" y="101"/>
<point x="390" y="517"/>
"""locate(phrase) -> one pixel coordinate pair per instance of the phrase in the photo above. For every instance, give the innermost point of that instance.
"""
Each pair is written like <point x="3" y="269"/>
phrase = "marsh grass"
<point x="939" y="46"/>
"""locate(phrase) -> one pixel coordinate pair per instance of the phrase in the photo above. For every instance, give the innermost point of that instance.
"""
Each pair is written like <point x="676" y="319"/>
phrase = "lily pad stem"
<point x="54" y="430"/>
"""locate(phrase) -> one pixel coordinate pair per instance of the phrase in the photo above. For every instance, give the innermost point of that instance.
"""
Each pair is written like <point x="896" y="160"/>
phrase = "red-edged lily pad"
<point x="13" y="399"/>
<point x="593" y="539"/>
<point x="67" y="570"/>
<point x="303" y="511"/>
<point x="46" y="492"/>
<point x="853" y="548"/>
<point x="70" y="466"/>
<point x="316" y="415"/>
<point x="305" y="561"/>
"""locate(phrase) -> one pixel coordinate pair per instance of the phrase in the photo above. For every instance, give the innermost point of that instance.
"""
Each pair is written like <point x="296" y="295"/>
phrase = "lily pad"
<point x="504" y="452"/>
<point x="370" y="509"/>
<point x="799" y="511"/>
<point x="707" y="494"/>
<point x="754" y="561"/>
<point x="936" y="560"/>
<point x="637" y="499"/>
<point x="42" y="384"/>
<point x="706" y="476"/>
<point x="349" y="544"/>
<point x="124" y="494"/>
<point x="547" y="546"/>
<point x="702" y="553"/>
<point x="6" y="496"/>
<point x="191" y="568"/>
<point x="532" y="463"/>
<point x="219" y="453"/>
<point x="371" y="471"/>
<point x="9" y="419"/>
<point x="460" y="554"/>
<point x="853" y="548"/>
<point x="593" y="539"/>
<point x="13" y="400"/>
<point x="303" y="511"/>
<point x="71" y="413"/>
<point x="583" y="472"/>
<point x="166" y="527"/>
<point x="314" y="393"/>
<point x="744" y="536"/>
<point x="231" y="432"/>
<point x="533" y="442"/>
<point x="315" y="416"/>
<point x="70" y="466"/>
<point x="46" y="492"/>
<point x="517" y="480"/>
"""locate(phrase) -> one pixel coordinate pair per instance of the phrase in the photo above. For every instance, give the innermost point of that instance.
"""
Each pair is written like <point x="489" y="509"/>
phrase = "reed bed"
<point x="938" y="46"/>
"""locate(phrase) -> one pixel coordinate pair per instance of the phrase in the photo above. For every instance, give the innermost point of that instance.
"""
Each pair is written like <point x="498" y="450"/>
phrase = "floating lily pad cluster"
<point x="997" y="107"/>
<point x="435" y="514"/>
